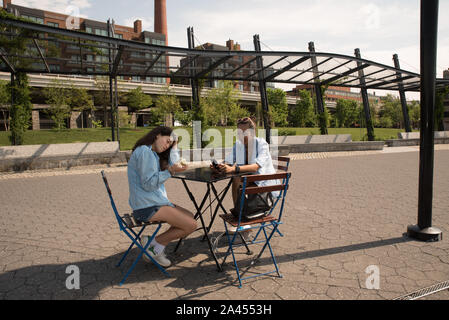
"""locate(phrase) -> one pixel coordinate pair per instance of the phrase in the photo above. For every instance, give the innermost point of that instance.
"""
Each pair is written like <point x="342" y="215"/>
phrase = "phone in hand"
<point x="215" y="164"/>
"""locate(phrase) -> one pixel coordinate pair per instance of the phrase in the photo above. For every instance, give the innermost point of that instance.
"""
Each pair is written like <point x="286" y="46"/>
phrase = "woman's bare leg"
<point x="181" y="222"/>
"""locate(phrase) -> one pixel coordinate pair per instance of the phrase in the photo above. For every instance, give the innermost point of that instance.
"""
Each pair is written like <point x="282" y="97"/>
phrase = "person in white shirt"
<point x="249" y="154"/>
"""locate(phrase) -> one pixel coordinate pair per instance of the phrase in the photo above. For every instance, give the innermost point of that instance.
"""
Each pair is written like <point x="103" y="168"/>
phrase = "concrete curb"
<point x="22" y="158"/>
<point x="413" y="142"/>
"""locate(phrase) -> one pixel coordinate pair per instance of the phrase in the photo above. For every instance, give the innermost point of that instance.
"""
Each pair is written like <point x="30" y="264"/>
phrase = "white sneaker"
<point x="160" y="258"/>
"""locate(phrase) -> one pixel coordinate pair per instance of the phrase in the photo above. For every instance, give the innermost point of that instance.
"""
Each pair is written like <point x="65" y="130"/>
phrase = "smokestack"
<point x="160" y="23"/>
<point x="5" y="3"/>
<point x="160" y="18"/>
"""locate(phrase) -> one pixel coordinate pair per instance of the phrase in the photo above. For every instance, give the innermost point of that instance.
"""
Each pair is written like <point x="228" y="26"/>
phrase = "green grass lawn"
<point x="128" y="136"/>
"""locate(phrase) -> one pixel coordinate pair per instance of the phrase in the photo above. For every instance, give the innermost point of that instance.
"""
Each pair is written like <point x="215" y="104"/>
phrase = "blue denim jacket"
<point x="146" y="180"/>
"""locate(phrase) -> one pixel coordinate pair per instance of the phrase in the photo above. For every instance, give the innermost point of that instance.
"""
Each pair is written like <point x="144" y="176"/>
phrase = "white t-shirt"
<point x="258" y="152"/>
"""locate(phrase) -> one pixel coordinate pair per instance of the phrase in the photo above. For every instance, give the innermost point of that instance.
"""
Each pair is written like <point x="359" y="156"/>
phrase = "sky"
<point x="379" y="28"/>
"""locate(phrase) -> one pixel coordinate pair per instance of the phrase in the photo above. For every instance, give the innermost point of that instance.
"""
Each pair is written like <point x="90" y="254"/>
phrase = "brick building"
<point x="231" y="64"/>
<point x="446" y="104"/>
<point x="76" y="58"/>
<point x="334" y="93"/>
<point x="73" y="52"/>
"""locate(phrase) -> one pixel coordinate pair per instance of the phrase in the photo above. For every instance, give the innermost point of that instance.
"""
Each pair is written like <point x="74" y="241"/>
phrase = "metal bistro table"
<point x="206" y="175"/>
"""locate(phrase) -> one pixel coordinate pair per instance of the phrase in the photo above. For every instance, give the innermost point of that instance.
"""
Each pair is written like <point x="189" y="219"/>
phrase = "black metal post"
<point x="428" y="44"/>
<point x="13" y="135"/>
<point x="402" y="97"/>
<point x="193" y="81"/>
<point x="364" y="92"/>
<point x="110" y="85"/>
<point x="195" y="88"/>
<point x="318" y="93"/>
<point x="117" y="110"/>
<point x="262" y="89"/>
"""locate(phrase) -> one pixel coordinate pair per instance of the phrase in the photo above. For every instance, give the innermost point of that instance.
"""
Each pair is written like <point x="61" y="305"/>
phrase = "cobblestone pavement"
<point x="344" y="213"/>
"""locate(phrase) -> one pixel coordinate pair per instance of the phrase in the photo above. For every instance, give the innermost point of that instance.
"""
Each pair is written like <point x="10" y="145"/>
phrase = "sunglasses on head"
<point x="243" y="120"/>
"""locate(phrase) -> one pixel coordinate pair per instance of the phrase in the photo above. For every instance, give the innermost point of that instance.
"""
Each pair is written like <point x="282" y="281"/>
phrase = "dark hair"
<point x="150" y="137"/>
<point x="247" y="120"/>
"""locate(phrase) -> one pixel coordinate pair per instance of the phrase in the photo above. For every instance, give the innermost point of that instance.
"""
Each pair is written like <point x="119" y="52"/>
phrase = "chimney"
<point x="160" y="24"/>
<point x="6" y="3"/>
<point x="138" y="26"/>
<point x="446" y="73"/>
<point x="230" y="44"/>
<point x="237" y="47"/>
<point x="160" y="18"/>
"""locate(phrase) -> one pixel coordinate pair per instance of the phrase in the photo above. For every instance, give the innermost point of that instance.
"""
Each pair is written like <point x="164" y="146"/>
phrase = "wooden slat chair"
<point x="281" y="164"/>
<point x="263" y="223"/>
<point x="126" y="224"/>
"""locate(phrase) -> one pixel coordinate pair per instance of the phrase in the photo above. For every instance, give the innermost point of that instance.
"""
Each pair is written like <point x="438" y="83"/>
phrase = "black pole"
<point x="402" y="97"/>
<point x="193" y="81"/>
<point x="13" y="84"/>
<point x="429" y="27"/>
<point x="117" y="110"/>
<point x="110" y="86"/>
<point x="364" y="92"/>
<point x="262" y="89"/>
<point x="194" y="84"/>
<point x="318" y="93"/>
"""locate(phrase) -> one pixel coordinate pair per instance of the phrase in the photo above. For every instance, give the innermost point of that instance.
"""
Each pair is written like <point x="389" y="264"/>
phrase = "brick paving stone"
<point x="344" y="212"/>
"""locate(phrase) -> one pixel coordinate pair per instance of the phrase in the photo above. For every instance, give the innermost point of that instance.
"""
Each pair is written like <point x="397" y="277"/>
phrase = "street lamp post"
<point x="429" y="27"/>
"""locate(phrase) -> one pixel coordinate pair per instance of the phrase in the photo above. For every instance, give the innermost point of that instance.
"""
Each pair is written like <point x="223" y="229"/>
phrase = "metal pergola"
<point x="48" y="46"/>
<point x="61" y="51"/>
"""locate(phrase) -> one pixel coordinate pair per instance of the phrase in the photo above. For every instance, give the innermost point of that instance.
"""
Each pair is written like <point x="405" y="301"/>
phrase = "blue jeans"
<point x="145" y="214"/>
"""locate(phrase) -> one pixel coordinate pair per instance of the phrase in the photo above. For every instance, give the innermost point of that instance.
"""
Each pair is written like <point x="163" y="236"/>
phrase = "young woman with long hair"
<point x="153" y="161"/>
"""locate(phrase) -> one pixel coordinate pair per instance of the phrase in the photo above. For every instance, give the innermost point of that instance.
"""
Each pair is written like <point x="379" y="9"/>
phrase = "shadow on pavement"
<point x="49" y="281"/>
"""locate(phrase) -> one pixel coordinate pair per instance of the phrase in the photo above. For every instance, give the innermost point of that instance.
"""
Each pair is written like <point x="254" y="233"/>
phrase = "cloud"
<point x="71" y="7"/>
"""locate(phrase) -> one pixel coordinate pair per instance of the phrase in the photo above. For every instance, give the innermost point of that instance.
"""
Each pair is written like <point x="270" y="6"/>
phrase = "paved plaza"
<point x="345" y="212"/>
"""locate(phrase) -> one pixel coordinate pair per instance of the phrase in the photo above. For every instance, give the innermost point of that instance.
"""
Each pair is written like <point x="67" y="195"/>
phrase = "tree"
<point x="58" y="100"/>
<point x="5" y="100"/>
<point x="323" y="117"/>
<point x="341" y="113"/>
<point x="102" y="96"/>
<point x="222" y="105"/>
<point x="278" y="107"/>
<point x="20" y="111"/>
<point x="440" y="95"/>
<point x="16" y="43"/>
<point x="80" y="100"/>
<point x="168" y="105"/>
<point x="303" y="114"/>
<point x="137" y="100"/>
<point x="392" y="109"/>
<point x="414" y="112"/>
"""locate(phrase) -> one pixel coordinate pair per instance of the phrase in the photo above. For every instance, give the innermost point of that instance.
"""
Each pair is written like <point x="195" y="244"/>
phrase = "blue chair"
<point x="126" y="224"/>
<point x="281" y="165"/>
<point x="269" y="222"/>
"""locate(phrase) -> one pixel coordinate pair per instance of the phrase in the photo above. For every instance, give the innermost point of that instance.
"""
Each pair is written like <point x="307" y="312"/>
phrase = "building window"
<point x="53" y="24"/>
<point x="101" y="32"/>
<point x="118" y="36"/>
<point x="157" y="42"/>
<point x="88" y="29"/>
<point x="33" y="19"/>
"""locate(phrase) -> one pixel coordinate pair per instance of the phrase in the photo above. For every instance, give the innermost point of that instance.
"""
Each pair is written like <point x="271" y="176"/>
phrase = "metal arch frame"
<point x="221" y="56"/>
